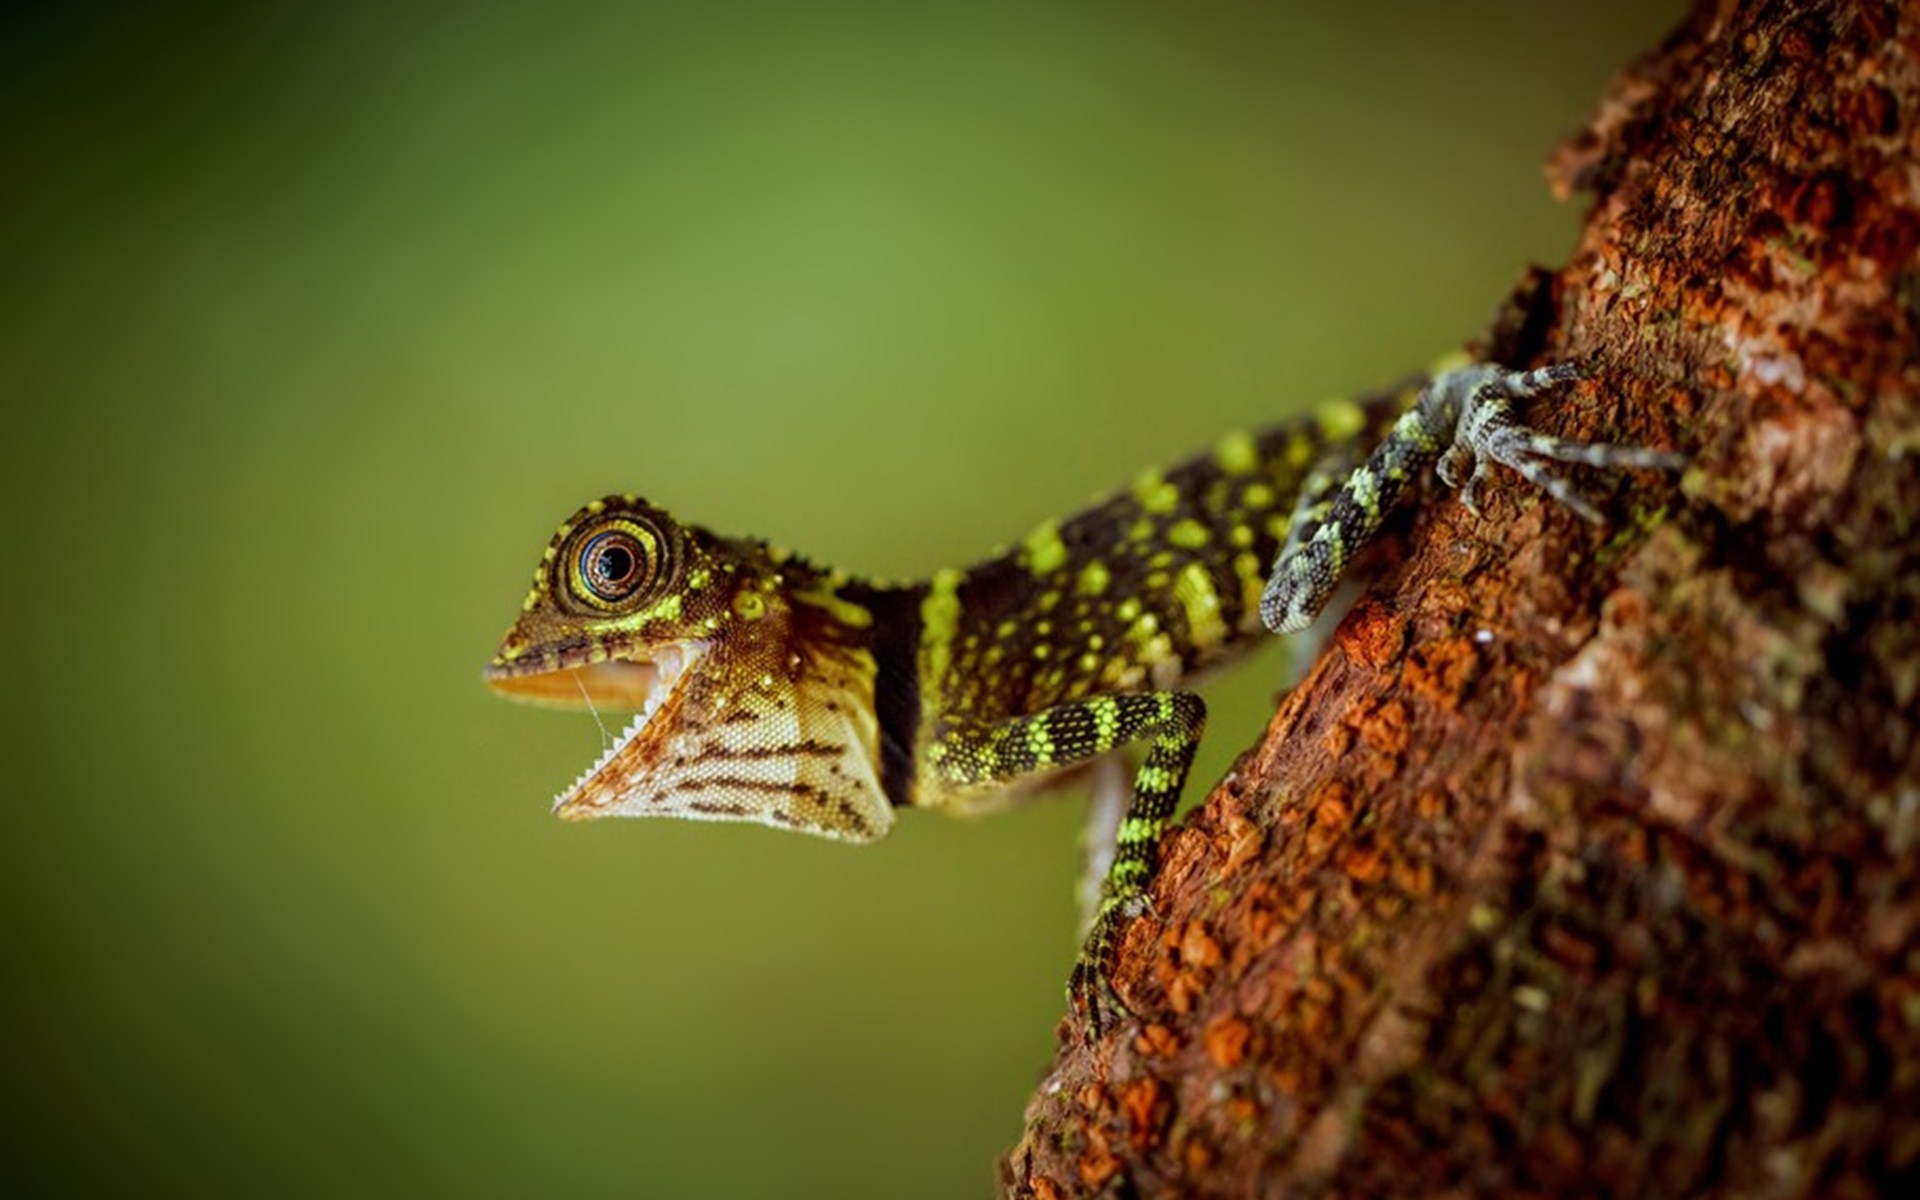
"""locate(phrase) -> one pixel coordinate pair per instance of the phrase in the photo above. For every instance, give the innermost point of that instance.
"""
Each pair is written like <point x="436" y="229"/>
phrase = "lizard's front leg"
<point x="1170" y="724"/>
<point x="1487" y="432"/>
<point x="1326" y="534"/>
<point x="1462" y="420"/>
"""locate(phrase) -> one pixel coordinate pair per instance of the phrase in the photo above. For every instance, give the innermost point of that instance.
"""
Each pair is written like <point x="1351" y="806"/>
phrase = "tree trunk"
<point x="1584" y="861"/>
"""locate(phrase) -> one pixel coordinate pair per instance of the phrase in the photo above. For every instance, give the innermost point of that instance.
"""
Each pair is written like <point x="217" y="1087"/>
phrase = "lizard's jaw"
<point x="667" y="675"/>
<point x="649" y="688"/>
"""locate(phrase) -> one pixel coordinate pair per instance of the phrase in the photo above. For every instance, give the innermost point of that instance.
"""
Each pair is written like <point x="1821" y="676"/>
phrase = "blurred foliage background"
<point x="318" y="319"/>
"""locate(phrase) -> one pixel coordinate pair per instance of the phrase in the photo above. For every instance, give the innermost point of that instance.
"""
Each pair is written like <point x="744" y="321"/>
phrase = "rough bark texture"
<point x="1584" y="862"/>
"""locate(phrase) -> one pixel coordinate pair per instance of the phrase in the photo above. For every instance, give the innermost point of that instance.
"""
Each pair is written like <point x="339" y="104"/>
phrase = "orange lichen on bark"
<point x="1385" y="729"/>
<point x="1372" y="635"/>
<point x="1144" y="1103"/>
<point x="1156" y="1041"/>
<point x="1227" y="1039"/>
<point x="1438" y="671"/>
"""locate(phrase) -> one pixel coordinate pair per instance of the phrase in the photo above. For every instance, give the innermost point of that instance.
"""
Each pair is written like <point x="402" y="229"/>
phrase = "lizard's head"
<point x="746" y="692"/>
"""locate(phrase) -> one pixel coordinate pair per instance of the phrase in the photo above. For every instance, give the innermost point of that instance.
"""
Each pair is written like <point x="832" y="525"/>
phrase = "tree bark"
<point x="1584" y="860"/>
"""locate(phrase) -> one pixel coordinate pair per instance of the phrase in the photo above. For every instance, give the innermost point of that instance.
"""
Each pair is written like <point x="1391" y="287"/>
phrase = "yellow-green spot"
<point x="1040" y="743"/>
<point x="844" y="610"/>
<point x="749" y="606"/>
<point x="1044" y="550"/>
<point x="1236" y="453"/>
<point x="1154" y="493"/>
<point x="1140" y="531"/>
<point x="1106" y="722"/>
<point x="1412" y="429"/>
<point x="939" y="619"/>
<point x="1129" y="608"/>
<point x="1340" y="420"/>
<point x="1257" y="495"/>
<point x="1366" y="491"/>
<point x="1153" y="779"/>
<point x="1188" y="534"/>
<point x="1300" y="451"/>
<point x="1093" y="579"/>
<point x="1195" y="593"/>
<point x="1253" y="580"/>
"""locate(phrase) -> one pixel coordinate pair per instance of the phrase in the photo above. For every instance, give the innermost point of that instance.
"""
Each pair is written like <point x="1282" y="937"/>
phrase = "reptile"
<point x="767" y="688"/>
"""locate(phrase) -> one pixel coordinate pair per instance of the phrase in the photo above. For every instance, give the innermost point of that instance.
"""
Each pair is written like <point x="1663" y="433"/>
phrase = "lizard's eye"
<point x="613" y="565"/>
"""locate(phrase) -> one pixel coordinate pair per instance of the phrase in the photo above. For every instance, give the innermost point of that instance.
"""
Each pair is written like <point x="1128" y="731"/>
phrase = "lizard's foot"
<point x="1090" y="992"/>
<point x="1487" y="432"/>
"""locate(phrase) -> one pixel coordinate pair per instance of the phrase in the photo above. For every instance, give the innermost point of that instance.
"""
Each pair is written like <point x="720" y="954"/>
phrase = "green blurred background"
<point x="317" y="320"/>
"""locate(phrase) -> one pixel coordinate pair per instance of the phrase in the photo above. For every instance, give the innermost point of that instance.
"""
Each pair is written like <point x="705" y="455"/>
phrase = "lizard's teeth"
<point x="668" y="666"/>
<point x="606" y="756"/>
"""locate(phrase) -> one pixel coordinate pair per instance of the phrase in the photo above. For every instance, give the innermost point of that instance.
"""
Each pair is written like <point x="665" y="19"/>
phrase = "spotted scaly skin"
<point x="775" y="691"/>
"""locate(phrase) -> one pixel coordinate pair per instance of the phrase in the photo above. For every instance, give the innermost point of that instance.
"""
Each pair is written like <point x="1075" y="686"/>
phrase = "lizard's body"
<point x="776" y="691"/>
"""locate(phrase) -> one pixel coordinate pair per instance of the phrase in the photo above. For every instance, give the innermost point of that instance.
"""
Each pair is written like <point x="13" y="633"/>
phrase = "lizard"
<point x="767" y="688"/>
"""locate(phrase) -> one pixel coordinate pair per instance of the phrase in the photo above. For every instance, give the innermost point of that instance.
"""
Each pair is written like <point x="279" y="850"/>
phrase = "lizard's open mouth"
<point x="642" y="687"/>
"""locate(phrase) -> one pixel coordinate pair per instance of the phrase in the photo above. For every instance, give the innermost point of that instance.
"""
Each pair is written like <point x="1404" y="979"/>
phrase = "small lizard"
<point x="772" y="690"/>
